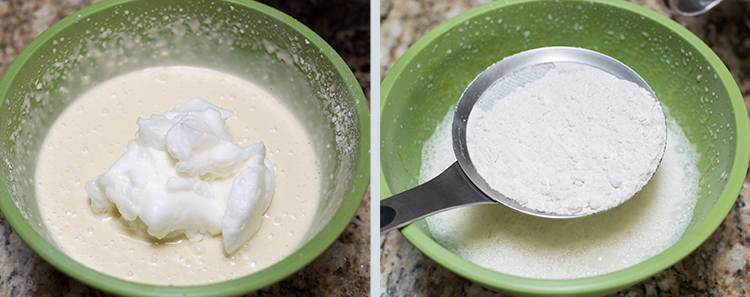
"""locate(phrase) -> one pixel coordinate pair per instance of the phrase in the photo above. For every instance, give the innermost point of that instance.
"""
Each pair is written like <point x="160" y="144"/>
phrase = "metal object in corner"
<point x="692" y="7"/>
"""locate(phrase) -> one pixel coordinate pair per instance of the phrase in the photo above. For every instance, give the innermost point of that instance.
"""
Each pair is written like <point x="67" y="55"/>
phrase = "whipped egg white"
<point x="174" y="177"/>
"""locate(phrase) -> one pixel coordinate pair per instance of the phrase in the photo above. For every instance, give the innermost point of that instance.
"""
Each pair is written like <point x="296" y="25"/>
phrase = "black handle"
<point x="450" y="189"/>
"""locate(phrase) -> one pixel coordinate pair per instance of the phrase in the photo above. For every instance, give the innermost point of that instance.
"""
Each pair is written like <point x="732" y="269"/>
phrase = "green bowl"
<point x="244" y="38"/>
<point x="686" y="75"/>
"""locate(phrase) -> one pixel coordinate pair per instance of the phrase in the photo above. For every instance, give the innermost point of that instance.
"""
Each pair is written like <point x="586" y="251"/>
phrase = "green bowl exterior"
<point x="689" y="79"/>
<point x="307" y="253"/>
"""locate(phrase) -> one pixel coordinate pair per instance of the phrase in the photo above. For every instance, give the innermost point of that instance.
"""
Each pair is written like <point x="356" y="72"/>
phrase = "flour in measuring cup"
<point x="573" y="140"/>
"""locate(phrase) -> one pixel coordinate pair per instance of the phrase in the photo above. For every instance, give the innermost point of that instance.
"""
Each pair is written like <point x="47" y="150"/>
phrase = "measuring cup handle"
<point x="448" y="190"/>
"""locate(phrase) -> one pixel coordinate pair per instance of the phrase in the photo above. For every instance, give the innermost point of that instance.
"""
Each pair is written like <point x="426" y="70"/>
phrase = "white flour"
<point x="573" y="140"/>
<point x="499" y="238"/>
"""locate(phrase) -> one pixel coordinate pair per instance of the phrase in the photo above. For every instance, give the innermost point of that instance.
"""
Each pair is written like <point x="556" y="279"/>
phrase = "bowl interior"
<point x="246" y="39"/>
<point x="690" y="81"/>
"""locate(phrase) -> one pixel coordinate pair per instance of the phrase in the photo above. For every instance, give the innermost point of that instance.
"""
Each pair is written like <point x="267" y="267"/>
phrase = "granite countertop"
<point x="343" y="270"/>
<point x="719" y="267"/>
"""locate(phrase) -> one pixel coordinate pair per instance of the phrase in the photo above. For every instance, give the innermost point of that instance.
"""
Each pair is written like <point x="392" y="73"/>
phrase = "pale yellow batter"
<point x="93" y="132"/>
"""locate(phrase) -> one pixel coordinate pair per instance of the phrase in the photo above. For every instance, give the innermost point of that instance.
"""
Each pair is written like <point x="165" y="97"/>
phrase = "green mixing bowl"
<point x="689" y="79"/>
<point x="243" y="38"/>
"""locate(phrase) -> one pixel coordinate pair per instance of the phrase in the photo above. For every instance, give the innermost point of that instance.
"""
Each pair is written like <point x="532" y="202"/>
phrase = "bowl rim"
<point x="267" y="276"/>
<point x="611" y="281"/>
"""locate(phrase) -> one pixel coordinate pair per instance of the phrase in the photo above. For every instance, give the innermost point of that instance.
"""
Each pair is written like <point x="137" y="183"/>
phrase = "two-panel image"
<point x="374" y="148"/>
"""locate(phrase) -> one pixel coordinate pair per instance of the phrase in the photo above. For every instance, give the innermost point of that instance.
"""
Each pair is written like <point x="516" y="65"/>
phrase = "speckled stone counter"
<point x="343" y="270"/>
<point x="719" y="267"/>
